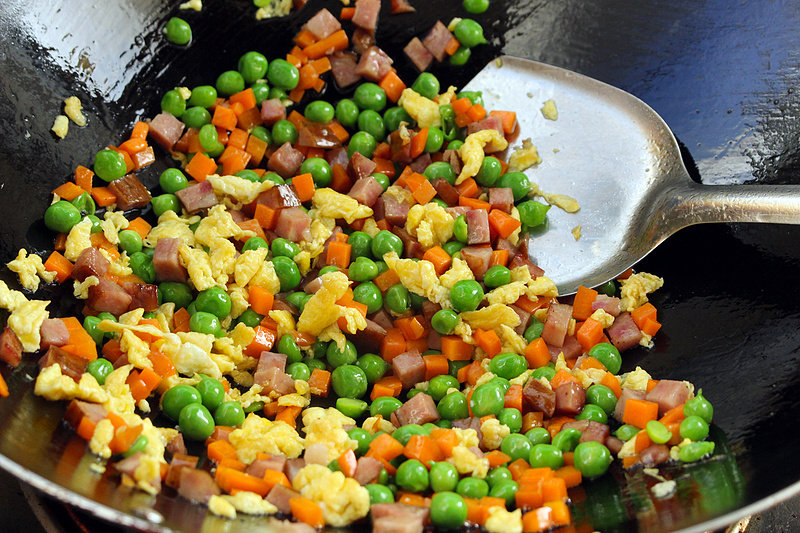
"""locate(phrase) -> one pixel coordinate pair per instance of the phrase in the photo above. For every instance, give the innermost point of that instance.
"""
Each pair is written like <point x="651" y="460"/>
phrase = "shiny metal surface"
<point x="614" y="155"/>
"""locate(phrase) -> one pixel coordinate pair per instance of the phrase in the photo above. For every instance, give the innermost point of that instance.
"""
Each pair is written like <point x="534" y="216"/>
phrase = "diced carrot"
<point x="83" y="178"/>
<point x="319" y="382"/>
<point x="498" y="257"/>
<point x="60" y="265"/>
<point x="641" y="441"/>
<point x="554" y="489"/>
<point x="418" y="142"/>
<point x="333" y="43"/>
<point x="509" y="119"/>
<point x="68" y="191"/>
<point x="461" y="105"/>
<point x="180" y="320"/>
<point x="423" y="448"/>
<point x="497" y="458"/>
<point x="274" y="477"/>
<point x="435" y="365"/>
<point x="589" y="334"/>
<point x="441" y="260"/>
<point x="307" y="511"/>
<point x="236" y="139"/>
<point x="555" y="424"/>
<point x="338" y="254"/>
<point x="630" y="461"/>
<point x="308" y="77"/>
<point x="339" y="130"/>
<point x="503" y="223"/>
<point x="201" y="166"/>
<point x="488" y="341"/>
<point x="591" y="362"/>
<point x="224" y="117"/>
<point x="456" y="349"/>
<point x="559" y="512"/>
<point x="650" y="326"/>
<point x="231" y="480"/>
<point x="219" y="450"/>
<point x="476" y="112"/>
<point x="673" y="415"/>
<point x="469" y="188"/>
<point x="537" y="354"/>
<point x="410" y="498"/>
<point x="246" y="98"/>
<point x="571" y="476"/>
<point x="643" y="313"/>
<point x="424" y="193"/>
<point x="383" y="151"/>
<point x="251" y="225"/>
<point x="237" y="109"/>
<point x="452" y="46"/>
<point x="445" y="439"/>
<point x="393" y="344"/>
<point x="411" y="327"/>
<point x="385" y="446"/>
<point x="537" y="520"/>
<point x="392" y="85"/>
<point x="474" y="203"/>
<point x="341" y="181"/>
<point x="140" y="226"/>
<point x="260" y="299"/>
<point x="386" y="280"/>
<point x="347" y="13"/>
<point x="305" y="38"/>
<point x="561" y="377"/>
<point x="304" y="185"/>
<point x="266" y="216"/>
<point x="288" y="415"/>
<point x="513" y="397"/>
<point x="582" y="305"/>
<point x="133" y="146"/>
<point x="529" y="497"/>
<point x="526" y="304"/>
<point x="651" y="383"/>
<point x="532" y="419"/>
<point x="233" y="159"/>
<point x="4" y="390"/>
<point x="639" y="412"/>
<point x="256" y="148"/>
<point x="611" y="381"/>
<point x="387" y="386"/>
<point x="162" y="365"/>
<point x="262" y="342"/>
<point x="384" y="166"/>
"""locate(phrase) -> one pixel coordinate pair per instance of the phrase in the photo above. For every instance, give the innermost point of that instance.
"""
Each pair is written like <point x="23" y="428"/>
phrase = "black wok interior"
<point x="723" y="75"/>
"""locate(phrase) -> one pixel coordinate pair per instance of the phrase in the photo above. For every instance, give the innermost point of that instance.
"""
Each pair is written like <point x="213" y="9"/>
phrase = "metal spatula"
<point x="614" y="155"/>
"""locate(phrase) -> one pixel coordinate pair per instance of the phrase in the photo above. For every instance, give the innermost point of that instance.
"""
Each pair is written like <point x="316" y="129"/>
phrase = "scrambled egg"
<point x="325" y="426"/>
<point x="467" y="462"/>
<point x="636" y="380"/>
<point x="248" y="398"/>
<point x="459" y="270"/>
<point x="549" y="110"/>
<point x="138" y="350"/>
<point x="635" y="289"/>
<point x="466" y="437"/>
<point x="101" y="438"/>
<point x="60" y="126"/>
<point x="430" y="224"/>
<point x="471" y="151"/>
<point x="493" y="433"/>
<point x="276" y="8"/>
<point x="577" y="232"/>
<point x="26" y="316"/>
<point x="399" y="194"/>
<point x="198" y="265"/>
<point x="244" y="502"/>
<point x="113" y="223"/>
<point x="248" y="264"/>
<point x="424" y="110"/>
<point x="524" y="157"/>
<point x="447" y="96"/>
<point x="491" y="317"/>
<point x="284" y="320"/>
<point x="258" y="434"/>
<point x="588" y="377"/>
<point x="196" y="5"/>
<point x="332" y="204"/>
<point x="240" y="189"/>
<point x="562" y="201"/>
<point x="170" y="225"/>
<point x="221" y="507"/>
<point x="53" y="385"/>
<point x="119" y="399"/>
<point x="522" y="378"/>
<point x="342" y="499"/>
<point x="371" y="227"/>
<point x="321" y="310"/>
<point x="603" y="317"/>
<point x="419" y="277"/>
<point x="508" y="293"/>
<point x="78" y="239"/>
<point x="30" y="268"/>
<point x="267" y="278"/>
<point x="374" y="424"/>
<point x="193" y="354"/>
<point x="510" y="340"/>
<point x="74" y="110"/>
<point x="502" y="521"/>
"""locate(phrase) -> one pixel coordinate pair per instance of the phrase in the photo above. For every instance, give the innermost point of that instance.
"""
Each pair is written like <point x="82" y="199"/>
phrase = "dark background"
<point x="722" y="75"/>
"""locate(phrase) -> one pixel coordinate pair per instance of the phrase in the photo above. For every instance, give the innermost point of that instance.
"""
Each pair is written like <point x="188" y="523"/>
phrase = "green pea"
<point x="516" y="446"/>
<point x="370" y="96"/>
<point x="439" y="385"/>
<point x="511" y="417"/>
<point x="368" y="294"/>
<point x="196" y="117"/>
<point x="508" y="365"/>
<point x="349" y="381"/>
<point x="347" y="113"/>
<point x="196" y="422"/>
<point x="476" y="97"/>
<point x="397" y="299"/>
<point x="498" y="474"/>
<point x="314" y="363"/>
<point x="215" y="301"/>
<point x="384" y="406"/>
<point x="607" y="354"/>
<point x="534" y="330"/>
<point x="212" y="393"/>
<point x="261" y="92"/>
<point x="96" y="223"/>
<point x="443" y="477"/>
<point x="381" y="178"/>
<point x="297" y="299"/>
<point x="109" y="165"/>
<point x="254" y="243"/>
<point x="178" y="397"/>
<point x="699" y="406"/>
<point x="532" y="213"/>
<point x="460" y="57"/>
<point x="427" y="85"/>
<point x="626" y="432"/>
<point x="546" y="455"/>
<point x="173" y="180"/>
<point x="363" y="269"/>
<point x="284" y="131"/>
<point x="253" y="408"/>
<point x="566" y="439"/>
<point x="384" y="242"/>
<point x="284" y="248"/>
<point x="229" y="413"/>
<point x="658" y="432"/>
<point x="329" y="268"/>
<point x="280" y="94"/>
<point x="393" y="116"/>
<point x="288" y="346"/>
<point x="453" y="406"/>
<point x="373" y="366"/>
<point x="538" y="435"/>
<point x="178" y="293"/>
<point x="372" y="122"/>
<point x="460" y="228"/>
<point x="444" y="321"/>
<point x="475" y="6"/>
<point x="455" y="144"/>
<point x="203" y="96"/>
<point x="497" y="276"/>
<point x="61" y="216"/>
<point x="442" y="423"/>
<point x="592" y="458"/>
<point x="178" y="31"/>
<point x="694" y="428"/>
<point x="452" y="247"/>
<point x="139" y="445"/>
<point x="362" y="438"/>
<point x="351" y="407"/>
<point x="603" y="397"/>
<point x="165" y="202"/>
<point x="274" y="178"/>
<point x="99" y="368"/>
<point x="544" y="372"/>
<point x="448" y="510"/>
<point x="379" y="494"/>
<point x="287" y="272"/>
<point x="434" y="141"/>
<point x="206" y="323"/>
<point x="592" y="412"/>
<point x="299" y="370"/>
<point x="469" y="33"/>
<point x="412" y="476"/>
<point x="262" y="133"/>
<point x="466" y="295"/>
<point x="337" y="357"/>
<point x="411" y="393"/>
<point x="487" y="399"/>
<point x="253" y="66"/>
<point x="142" y="267"/>
<point x="283" y="75"/>
<point x="506" y="489"/>
<point x="319" y="169"/>
<point x="609" y="288"/>
<point x="695" y="451"/>
<point x="249" y="175"/>
<point x="84" y="204"/>
<point x="473" y="487"/>
<point x="362" y="142"/>
<point x="173" y="103"/>
<point x="441" y="169"/>
<point x="320" y="111"/>
<point x="518" y="183"/>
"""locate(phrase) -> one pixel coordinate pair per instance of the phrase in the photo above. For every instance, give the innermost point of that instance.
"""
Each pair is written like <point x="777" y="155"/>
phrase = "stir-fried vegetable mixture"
<point x="371" y="251"/>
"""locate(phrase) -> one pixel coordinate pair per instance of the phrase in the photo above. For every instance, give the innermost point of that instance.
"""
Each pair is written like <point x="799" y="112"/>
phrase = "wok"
<point x="720" y="75"/>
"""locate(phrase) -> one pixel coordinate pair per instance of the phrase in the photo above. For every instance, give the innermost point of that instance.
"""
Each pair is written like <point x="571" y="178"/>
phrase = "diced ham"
<point x="624" y="333"/>
<point x="343" y="66"/>
<point x="198" y="197"/>
<point x="285" y="526"/>
<point x="411" y="246"/>
<point x="366" y="14"/>
<point x="429" y="309"/>
<point x="366" y="190"/>
<point x="457" y="211"/>
<point x="451" y="156"/>
<point x="667" y="394"/>
<point x="505" y="244"/>
<point x="130" y="192"/>
<point x="313" y="135"/>
<point x="374" y="64"/>
<point x="395" y="212"/>
<point x="90" y="262"/>
<point x="276" y="380"/>
<point x="166" y="130"/>
<point x="383" y="319"/>
<point x="269" y="360"/>
<point x="571" y="348"/>
<point x="293" y="466"/>
<point x="179" y="461"/>
<point x="437" y="40"/>
<point x="409" y="367"/>
<point x="396" y="524"/>
<point x="521" y="259"/>
<point x="400" y="148"/>
<point x="434" y="340"/>
<point x="609" y="304"/>
<point x="260" y="466"/>
<point x="419" y="164"/>
<point x="361" y="166"/>
<point x="143" y="158"/>
<point x="524" y="318"/>
<point x="77" y="410"/>
<point x="337" y="155"/>
<point x="556" y="323"/>
<point x="272" y="111"/>
<point x="197" y="485"/>
<point x="539" y="397"/>
<point x="176" y="445"/>
<point x="446" y="192"/>
<point x="570" y="398"/>
<point x="370" y="338"/>
<point x="285" y="160"/>
<point x="420" y="409"/>
<point x="478" y="226"/>
<point x="367" y="470"/>
<point x="627" y="394"/>
<point x="488" y="123"/>
<point x="398" y="518"/>
<point x="110" y="297"/>
<point x="472" y="422"/>
<point x="323" y="24"/>
<point x="590" y="430"/>
<point x="613" y="444"/>
<point x="418" y="54"/>
<point x="11" y="347"/>
<point x="316" y="454"/>
<point x="653" y="455"/>
<point x="279" y="197"/>
<point x="280" y="495"/>
<point x="129" y="465"/>
<point x="361" y="40"/>
<point x="53" y="332"/>
<point x="312" y="286"/>
<point x="167" y="260"/>
<point x="143" y="296"/>
<point x="401" y="6"/>
<point x="501" y="198"/>
<point x="293" y="224"/>
<point x="477" y="258"/>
